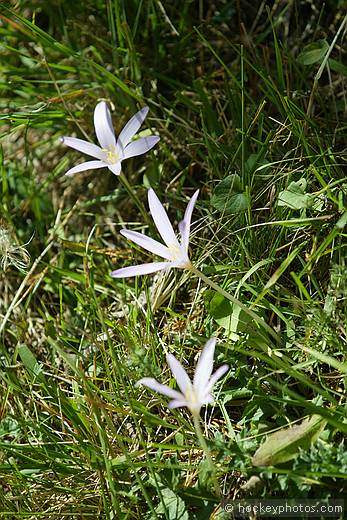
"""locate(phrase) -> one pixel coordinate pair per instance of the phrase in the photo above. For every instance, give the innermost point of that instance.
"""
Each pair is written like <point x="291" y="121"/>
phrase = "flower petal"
<point x="83" y="146"/>
<point x="89" y="165"/>
<point x="115" y="168"/>
<point x="136" y="270"/>
<point x="207" y="399"/>
<point x="180" y="374"/>
<point x="147" y="243"/>
<point x="140" y="146"/>
<point x="103" y="126"/>
<point x="161" y="220"/>
<point x="214" y="378"/>
<point x="184" y="225"/>
<point x="151" y="383"/>
<point x="178" y="403"/>
<point x="131" y="127"/>
<point x="204" y="366"/>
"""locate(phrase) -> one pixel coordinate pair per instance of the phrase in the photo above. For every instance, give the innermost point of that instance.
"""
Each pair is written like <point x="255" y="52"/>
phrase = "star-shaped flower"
<point x="112" y="151"/>
<point x="174" y="252"/>
<point x="192" y="395"/>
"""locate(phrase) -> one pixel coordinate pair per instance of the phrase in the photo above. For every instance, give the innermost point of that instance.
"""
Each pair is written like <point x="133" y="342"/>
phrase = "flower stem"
<point x="234" y="300"/>
<point x="136" y="200"/>
<point x="201" y="438"/>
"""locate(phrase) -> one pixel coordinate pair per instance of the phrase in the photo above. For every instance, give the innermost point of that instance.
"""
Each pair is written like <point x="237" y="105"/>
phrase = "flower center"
<point x="112" y="156"/>
<point x="193" y="402"/>
<point x="175" y="252"/>
<point x="179" y="257"/>
<point x="190" y="396"/>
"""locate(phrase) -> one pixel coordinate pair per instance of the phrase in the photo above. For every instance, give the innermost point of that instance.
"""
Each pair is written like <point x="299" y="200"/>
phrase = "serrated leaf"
<point x="284" y="445"/>
<point x="313" y="53"/>
<point x="174" y="505"/>
<point x="229" y="197"/>
<point x="294" y="197"/>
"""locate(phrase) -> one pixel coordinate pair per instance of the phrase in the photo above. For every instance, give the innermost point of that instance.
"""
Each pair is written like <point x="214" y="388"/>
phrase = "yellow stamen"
<point x="175" y="252"/>
<point x="178" y="256"/>
<point x="191" y="397"/>
<point x="112" y="156"/>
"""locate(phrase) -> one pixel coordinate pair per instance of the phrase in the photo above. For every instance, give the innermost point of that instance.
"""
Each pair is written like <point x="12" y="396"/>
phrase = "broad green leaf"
<point x="294" y="197"/>
<point x="231" y="317"/>
<point x="253" y="163"/>
<point x="337" y="66"/>
<point x="313" y="53"/>
<point x="341" y="223"/>
<point x="31" y="364"/>
<point x="284" y="445"/>
<point x="229" y="197"/>
<point x="174" y="504"/>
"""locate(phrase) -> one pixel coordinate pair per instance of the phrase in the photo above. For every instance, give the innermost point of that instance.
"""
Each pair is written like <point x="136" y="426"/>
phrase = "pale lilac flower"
<point x="192" y="395"/>
<point x="174" y="252"/>
<point x="112" y="151"/>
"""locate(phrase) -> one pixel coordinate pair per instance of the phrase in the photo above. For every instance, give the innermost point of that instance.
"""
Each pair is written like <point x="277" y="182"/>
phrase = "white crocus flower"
<point x="112" y="151"/>
<point x="192" y="395"/>
<point x="174" y="252"/>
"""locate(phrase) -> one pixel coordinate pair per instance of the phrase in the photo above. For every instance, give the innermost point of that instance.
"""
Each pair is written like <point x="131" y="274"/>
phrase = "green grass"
<point x="247" y="114"/>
